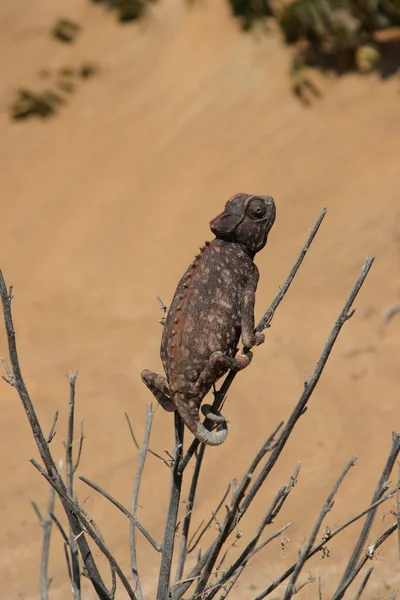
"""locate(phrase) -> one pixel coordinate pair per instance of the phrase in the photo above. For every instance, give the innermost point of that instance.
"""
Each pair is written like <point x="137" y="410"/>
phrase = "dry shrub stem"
<point x="135" y="500"/>
<point x="55" y="479"/>
<point x="208" y="575"/>
<point x="46" y="524"/>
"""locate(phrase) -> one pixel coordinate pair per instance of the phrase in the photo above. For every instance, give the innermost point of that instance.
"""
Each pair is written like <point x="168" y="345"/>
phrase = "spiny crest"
<point x="185" y="286"/>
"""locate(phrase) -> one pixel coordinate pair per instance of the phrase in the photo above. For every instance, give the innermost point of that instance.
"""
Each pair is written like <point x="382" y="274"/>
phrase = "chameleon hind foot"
<point x="159" y="387"/>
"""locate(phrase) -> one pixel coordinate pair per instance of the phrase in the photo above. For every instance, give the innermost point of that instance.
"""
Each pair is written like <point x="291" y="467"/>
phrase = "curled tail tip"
<point x="191" y="418"/>
<point x="211" y="438"/>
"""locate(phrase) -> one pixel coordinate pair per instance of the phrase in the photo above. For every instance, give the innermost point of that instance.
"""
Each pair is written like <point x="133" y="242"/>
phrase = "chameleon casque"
<point x="212" y="307"/>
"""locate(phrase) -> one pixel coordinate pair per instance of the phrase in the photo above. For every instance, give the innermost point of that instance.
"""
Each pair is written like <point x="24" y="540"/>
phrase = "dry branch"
<point x="291" y="589"/>
<point x="89" y="527"/>
<point x="170" y="528"/>
<point x="383" y="484"/>
<point x="16" y="380"/>
<point x="46" y="526"/>
<point x="135" y="499"/>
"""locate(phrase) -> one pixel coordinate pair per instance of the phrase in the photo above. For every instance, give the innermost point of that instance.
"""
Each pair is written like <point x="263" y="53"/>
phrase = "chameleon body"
<point x="212" y="307"/>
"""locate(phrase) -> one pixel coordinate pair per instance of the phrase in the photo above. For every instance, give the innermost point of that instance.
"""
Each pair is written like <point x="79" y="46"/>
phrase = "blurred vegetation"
<point x="46" y="103"/>
<point x="340" y="35"/>
<point x="332" y="35"/>
<point x="249" y="11"/>
<point x="65" y="30"/>
<point x="127" y="10"/>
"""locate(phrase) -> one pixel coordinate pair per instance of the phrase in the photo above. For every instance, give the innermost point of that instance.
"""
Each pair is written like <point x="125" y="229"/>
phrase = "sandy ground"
<point x="103" y="207"/>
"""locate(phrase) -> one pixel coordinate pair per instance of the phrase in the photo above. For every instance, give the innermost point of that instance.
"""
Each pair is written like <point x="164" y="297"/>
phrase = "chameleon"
<point x="212" y="307"/>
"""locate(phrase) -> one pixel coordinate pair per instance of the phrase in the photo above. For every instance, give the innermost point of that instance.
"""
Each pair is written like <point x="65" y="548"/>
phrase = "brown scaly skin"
<point x="213" y="305"/>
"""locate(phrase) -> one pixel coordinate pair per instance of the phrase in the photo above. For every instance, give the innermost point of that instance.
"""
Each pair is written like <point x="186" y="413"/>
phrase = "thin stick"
<point x="194" y="542"/>
<point x="291" y="589"/>
<point x="230" y="521"/>
<point x="169" y="533"/>
<point x="123" y="510"/>
<point x="69" y="476"/>
<point x="322" y="544"/>
<point x="379" y="491"/>
<point x="371" y="549"/>
<point x="66" y="547"/>
<point x="46" y="526"/>
<point x="88" y="529"/>
<point x="398" y="508"/>
<point x="183" y="550"/>
<point x="363" y="584"/>
<point x="52" y="431"/>
<point x="269" y="540"/>
<point x="137" y="445"/>
<point x="263" y="324"/>
<point x="267" y="318"/>
<point x="251" y="547"/>
<point x="17" y="381"/>
<point x="245" y="554"/>
<point x="309" y="386"/>
<point x="135" y="499"/>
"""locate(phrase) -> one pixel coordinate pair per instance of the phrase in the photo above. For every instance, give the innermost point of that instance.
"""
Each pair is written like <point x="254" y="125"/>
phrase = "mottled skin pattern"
<point x="213" y="306"/>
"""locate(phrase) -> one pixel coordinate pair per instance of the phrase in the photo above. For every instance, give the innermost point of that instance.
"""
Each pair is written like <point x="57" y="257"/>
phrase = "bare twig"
<point x="70" y="471"/>
<point x="398" y="508"/>
<point x="320" y="595"/>
<point x="269" y="540"/>
<point x="252" y="547"/>
<point x="379" y="491"/>
<point x="52" y="431"/>
<point x="322" y="544"/>
<point x="230" y="521"/>
<point x="309" y="386"/>
<point x="17" y="381"/>
<point x="247" y="552"/>
<point x="363" y="584"/>
<point x="370" y="552"/>
<point x="80" y="446"/>
<point x="267" y="318"/>
<point x="46" y="526"/>
<point x="291" y="589"/>
<point x="135" y="499"/>
<point x="195" y="541"/>
<point x="124" y="510"/>
<point x="170" y="528"/>
<point x="183" y="550"/>
<point x="89" y="529"/>
<point x="67" y="551"/>
<point x="263" y="324"/>
<point x="137" y="445"/>
<point x="131" y="431"/>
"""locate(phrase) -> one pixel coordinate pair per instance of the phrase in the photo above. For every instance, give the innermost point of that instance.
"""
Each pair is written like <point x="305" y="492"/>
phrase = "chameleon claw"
<point x="243" y="360"/>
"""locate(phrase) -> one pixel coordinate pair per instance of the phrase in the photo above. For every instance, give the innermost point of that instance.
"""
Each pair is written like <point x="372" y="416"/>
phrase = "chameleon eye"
<point x="257" y="209"/>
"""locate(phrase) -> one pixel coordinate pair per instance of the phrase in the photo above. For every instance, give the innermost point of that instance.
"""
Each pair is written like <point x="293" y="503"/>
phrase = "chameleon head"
<point x="247" y="220"/>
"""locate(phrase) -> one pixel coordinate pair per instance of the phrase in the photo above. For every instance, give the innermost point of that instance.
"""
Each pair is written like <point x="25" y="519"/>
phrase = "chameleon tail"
<point x="189" y="412"/>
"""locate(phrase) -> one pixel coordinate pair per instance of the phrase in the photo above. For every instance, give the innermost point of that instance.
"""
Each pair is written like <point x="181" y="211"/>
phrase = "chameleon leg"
<point x="218" y="360"/>
<point x="159" y="387"/>
<point x="188" y="405"/>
